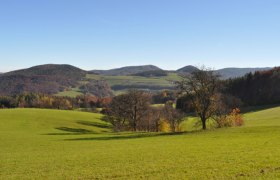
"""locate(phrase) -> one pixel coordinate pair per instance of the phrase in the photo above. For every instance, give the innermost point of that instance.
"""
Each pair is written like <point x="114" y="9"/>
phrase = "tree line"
<point x="259" y="88"/>
<point x="35" y="100"/>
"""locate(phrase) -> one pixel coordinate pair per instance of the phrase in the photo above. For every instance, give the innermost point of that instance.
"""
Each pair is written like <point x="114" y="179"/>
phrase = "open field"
<point x="52" y="144"/>
<point x="136" y="80"/>
<point x="71" y="93"/>
<point x="126" y="81"/>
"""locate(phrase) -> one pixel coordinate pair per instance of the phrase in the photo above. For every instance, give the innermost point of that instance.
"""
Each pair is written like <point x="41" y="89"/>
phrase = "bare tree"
<point x="172" y="115"/>
<point x="117" y="112"/>
<point x="130" y="108"/>
<point x="201" y="86"/>
<point x="138" y="104"/>
<point x="151" y="120"/>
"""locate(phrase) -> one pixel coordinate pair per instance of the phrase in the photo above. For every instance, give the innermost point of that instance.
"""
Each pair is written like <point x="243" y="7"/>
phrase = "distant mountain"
<point x="150" y="69"/>
<point x="51" y="79"/>
<point x="225" y="72"/>
<point x="128" y="70"/>
<point x="47" y="79"/>
<point x="187" y="69"/>
<point x="238" y="72"/>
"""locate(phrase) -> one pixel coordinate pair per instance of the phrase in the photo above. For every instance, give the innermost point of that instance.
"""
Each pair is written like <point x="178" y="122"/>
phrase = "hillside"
<point x="134" y="70"/>
<point x="128" y="70"/>
<point x="187" y="69"/>
<point x="47" y="79"/>
<point x="52" y="144"/>
<point x="238" y="72"/>
<point x="152" y="73"/>
<point x="66" y="80"/>
<point x="257" y="88"/>
<point x="153" y="83"/>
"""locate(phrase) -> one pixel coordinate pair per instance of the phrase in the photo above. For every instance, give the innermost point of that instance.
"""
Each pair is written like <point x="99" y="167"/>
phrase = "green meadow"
<point x="163" y="82"/>
<point x="53" y="144"/>
<point x="136" y="80"/>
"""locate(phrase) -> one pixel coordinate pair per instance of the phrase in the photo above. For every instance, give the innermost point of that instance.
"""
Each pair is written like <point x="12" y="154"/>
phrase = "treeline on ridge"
<point x="259" y="88"/>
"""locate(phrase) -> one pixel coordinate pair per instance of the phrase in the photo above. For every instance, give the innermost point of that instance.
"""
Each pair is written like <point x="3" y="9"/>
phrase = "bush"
<point x="164" y="126"/>
<point x="234" y="118"/>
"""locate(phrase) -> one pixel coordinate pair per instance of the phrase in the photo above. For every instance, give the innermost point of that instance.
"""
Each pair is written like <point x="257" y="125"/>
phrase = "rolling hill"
<point x="128" y="70"/>
<point x="66" y="80"/>
<point x="52" y="144"/>
<point x="187" y="69"/>
<point x="238" y="72"/>
<point x="49" y="79"/>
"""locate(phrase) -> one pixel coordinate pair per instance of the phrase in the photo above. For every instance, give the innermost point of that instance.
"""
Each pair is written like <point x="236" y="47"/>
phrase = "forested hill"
<point x="259" y="88"/>
<point x="67" y="79"/>
<point x="48" y="79"/>
<point x="187" y="69"/>
<point x="238" y="72"/>
<point x="128" y="70"/>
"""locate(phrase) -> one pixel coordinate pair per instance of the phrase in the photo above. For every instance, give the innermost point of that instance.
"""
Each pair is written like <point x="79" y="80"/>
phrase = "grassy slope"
<point x="70" y="93"/>
<point x="32" y="147"/>
<point x="136" y="80"/>
<point x="125" y="80"/>
<point x="165" y="81"/>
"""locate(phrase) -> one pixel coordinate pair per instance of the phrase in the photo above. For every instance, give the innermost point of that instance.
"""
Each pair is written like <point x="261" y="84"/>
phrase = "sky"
<point x="105" y="34"/>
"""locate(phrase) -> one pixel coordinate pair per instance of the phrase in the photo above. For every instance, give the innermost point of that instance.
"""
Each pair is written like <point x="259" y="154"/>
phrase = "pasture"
<point x="158" y="82"/>
<point x="52" y="144"/>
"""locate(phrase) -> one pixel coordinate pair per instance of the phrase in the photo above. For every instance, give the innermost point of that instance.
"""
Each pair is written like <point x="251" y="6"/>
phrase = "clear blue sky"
<point x="103" y="34"/>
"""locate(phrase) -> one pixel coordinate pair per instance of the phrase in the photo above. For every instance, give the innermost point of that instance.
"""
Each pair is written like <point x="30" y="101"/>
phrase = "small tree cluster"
<point x="133" y="111"/>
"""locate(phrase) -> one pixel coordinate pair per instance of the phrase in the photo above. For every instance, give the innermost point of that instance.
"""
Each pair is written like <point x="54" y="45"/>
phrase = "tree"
<point x="130" y="107"/>
<point x="173" y="116"/>
<point x="201" y="86"/>
<point x="117" y="112"/>
<point x="151" y="120"/>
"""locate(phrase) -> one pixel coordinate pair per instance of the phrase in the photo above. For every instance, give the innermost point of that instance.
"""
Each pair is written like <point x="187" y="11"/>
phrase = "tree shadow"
<point x="123" y="137"/>
<point x="95" y="124"/>
<point x="72" y="131"/>
<point x="81" y="131"/>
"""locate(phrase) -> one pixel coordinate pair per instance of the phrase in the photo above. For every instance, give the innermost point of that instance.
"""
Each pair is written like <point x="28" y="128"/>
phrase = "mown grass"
<point x="52" y="144"/>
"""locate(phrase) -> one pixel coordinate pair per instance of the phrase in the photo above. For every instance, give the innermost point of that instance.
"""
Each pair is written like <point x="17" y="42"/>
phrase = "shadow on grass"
<point x="95" y="124"/>
<point x="81" y="131"/>
<point x="122" y="137"/>
<point x="72" y="131"/>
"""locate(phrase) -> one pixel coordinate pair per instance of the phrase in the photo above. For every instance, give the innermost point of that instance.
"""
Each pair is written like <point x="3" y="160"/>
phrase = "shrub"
<point x="234" y="118"/>
<point x="164" y="126"/>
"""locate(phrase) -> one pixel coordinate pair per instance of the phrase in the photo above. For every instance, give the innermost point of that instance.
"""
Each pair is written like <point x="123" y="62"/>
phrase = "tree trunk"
<point x="135" y="119"/>
<point x="203" y="123"/>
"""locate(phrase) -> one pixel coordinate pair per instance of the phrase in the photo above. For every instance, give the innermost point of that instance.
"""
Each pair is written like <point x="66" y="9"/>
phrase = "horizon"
<point x="109" y="34"/>
<point x="136" y="66"/>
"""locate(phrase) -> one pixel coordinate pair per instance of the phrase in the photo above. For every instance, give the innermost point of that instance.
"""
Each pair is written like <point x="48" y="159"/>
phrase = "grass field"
<point x="137" y="80"/>
<point x="52" y="144"/>
<point x="163" y="82"/>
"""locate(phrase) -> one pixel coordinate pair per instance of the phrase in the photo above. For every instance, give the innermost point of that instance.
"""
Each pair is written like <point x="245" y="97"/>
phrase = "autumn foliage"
<point x="234" y="118"/>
